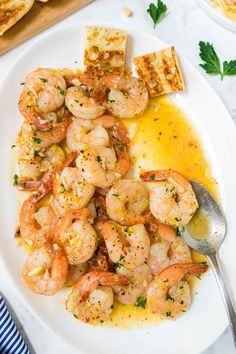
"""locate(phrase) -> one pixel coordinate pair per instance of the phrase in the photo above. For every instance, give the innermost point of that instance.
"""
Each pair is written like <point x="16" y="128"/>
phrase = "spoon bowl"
<point x="212" y="238"/>
<point x="209" y="242"/>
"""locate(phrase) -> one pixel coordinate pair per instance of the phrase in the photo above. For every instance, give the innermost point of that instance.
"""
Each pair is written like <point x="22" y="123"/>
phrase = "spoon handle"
<point x="225" y="294"/>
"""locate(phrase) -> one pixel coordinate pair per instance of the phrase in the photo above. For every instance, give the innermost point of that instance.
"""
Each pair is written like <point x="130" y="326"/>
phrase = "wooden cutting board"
<point x="41" y="16"/>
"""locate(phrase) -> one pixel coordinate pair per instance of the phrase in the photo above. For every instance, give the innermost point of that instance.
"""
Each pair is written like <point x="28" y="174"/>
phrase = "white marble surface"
<point x="185" y="25"/>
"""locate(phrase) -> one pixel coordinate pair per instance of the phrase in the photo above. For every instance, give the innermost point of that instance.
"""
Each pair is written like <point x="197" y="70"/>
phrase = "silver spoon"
<point x="208" y="243"/>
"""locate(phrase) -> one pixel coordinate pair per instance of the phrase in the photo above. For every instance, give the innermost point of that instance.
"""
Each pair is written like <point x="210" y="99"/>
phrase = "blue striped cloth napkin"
<point x="11" y="341"/>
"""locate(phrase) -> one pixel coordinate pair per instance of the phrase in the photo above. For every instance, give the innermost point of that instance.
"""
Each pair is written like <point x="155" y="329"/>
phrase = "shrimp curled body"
<point x="91" y="299"/>
<point x="45" y="270"/>
<point x="172" y="199"/>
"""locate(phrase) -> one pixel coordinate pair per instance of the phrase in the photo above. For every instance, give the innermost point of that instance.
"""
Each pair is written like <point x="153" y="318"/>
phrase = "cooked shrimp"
<point x="126" y="201"/>
<point x="45" y="270"/>
<point x="169" y="295"/>
<point x="78" y="238"/>
<point x="94" y="169"/>
<point x="127" y="96"/>
<point x="43" y="92"/>
<point x="172" y="202"/>
<point x="38" y="151"/>
<point x="126" y="246"/>
<point x="81" y="105"/>
<point x="46" y="182"/>
<point x="75" y="272"/>
<point x="71" y="190"/>
<point x="140" y="277"/>
<point x="54" y="156"/>
<point x="91" y="299"/>
<point x="170" y="249"/>
<point x="36" y="225"/>
<point x="82" y="132"/>
<point x="44" y="139"/>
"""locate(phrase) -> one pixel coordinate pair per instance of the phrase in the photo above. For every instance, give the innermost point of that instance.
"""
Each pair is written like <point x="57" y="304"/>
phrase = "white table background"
<point x="185" y="25"/>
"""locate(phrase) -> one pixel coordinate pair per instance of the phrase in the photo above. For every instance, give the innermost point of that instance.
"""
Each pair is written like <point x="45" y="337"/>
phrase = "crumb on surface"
<point x="127" y="12"/>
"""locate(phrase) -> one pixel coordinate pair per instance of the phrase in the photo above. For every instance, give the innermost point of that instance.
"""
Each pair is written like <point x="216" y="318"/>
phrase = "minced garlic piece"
<point x="35" y="271"/>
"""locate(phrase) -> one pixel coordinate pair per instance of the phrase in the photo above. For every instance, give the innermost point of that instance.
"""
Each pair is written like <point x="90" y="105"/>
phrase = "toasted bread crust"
<point x="104" y="51"/>
<point x="160" y="71"/>
<point x="12" y="11"/>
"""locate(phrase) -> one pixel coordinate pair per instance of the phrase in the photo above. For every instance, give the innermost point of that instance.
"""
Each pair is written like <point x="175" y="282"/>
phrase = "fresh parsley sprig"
<point x="212" y="64"/>
<point x="157" y="11"/>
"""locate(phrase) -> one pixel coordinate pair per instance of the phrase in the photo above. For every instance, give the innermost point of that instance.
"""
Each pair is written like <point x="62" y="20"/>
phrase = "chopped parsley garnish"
<point x="181" y="287"/>
<point x="157" y="11"/>
<point x="168" y="297"/>
<point x="126" y="229"/>
<point x="204" y="263"/>
<point x="199" y="277"/>
<point x="62" y="92"/>
<point x="119" y="264"/>
<point x="43" y="79"/>
<point x="140" y="302"/>
<point x="36" y="140"/>
<point x="13" y="146"/>
<point x="212" y="64"/>
<point x="111" y="101"/>
<point x="152" y="177"/>
<point x="15" y="180"/>
<point x="22" y="83"/>
<point x="120" y="144"/>
<point x="98" y="158"/>
<point x="177" y="219"/>
<point x="168" y="314"/>
<point x="62" y="187"/>
<point x="181" y="302"/>
<point x="28" y="106"/>
<point x="115" y="195"/>
<point x="155" y="119"/>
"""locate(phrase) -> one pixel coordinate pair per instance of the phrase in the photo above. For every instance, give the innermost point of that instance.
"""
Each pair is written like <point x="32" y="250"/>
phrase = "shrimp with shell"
<point x="71" y="190"/>
<point x="79" y="98"/>
<point x="172" y="199"/>
<point x="124" y="97"/>
<point x="169" y="249"/>
<point x="76" y="236"/>
<point x="140" y="277"/>
<point x="126" y="201"/>
<point x="126" y="246"/>
<point x="43" y="92"/>
<point x="45" y="270"/>
<point x="103" y="166"/>
<point x="91" y="299"/>
<point x="169" y="294"/>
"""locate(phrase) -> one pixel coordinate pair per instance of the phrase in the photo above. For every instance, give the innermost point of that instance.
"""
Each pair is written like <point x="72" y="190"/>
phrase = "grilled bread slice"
<point x="104" y="51"/>
<point x="160" y="71"/>
<point x="11" y="11"/>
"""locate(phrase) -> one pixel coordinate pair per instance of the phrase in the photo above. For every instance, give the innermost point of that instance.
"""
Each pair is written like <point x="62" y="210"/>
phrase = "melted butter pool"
<point x="163" y="138"/>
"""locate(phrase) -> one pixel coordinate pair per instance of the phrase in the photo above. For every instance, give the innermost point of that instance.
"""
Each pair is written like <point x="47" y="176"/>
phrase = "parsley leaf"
<point x="36" y="140"/>
<point x="43" y="79"/>
<point x="229" y="67"/>
<point x="212" y="64"/>
<point x="119" y="264"/>
<point x="15" y="180"/>
<point x="157" y="11"/>
<point x="140" y="302"/>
